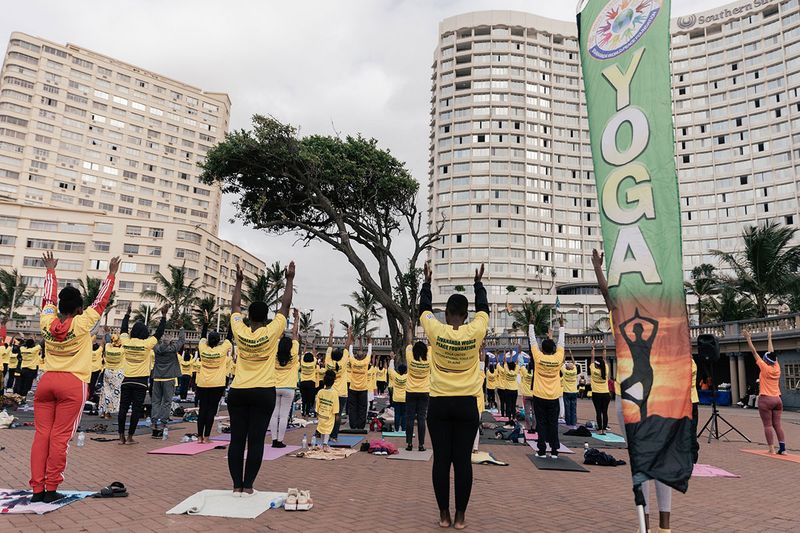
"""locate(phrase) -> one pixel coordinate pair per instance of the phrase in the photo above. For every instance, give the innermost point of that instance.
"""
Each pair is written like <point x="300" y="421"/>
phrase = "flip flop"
<point x="114" y="490"/>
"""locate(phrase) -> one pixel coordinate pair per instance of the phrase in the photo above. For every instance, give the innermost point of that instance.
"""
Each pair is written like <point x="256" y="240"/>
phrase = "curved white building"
<point x="510" y="163"/>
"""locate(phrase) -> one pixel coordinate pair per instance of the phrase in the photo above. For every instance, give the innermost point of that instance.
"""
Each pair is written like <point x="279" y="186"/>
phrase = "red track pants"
<point x="58" y="404"/>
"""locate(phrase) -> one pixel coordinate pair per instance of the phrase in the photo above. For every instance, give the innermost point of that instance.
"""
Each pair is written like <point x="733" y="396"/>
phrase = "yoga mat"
<point x="349" y="431"/>
<point x="784" y="457"/>
<point x="404" y="455"/>
<point x="486" y="458"/>
<point x="608" y="437"/>
<point x="561" y="447"/>
<point x="562" y="463"/>
<point x="393" y="434"/>
<point x="270" y="453"/>
<point x="224" y="437"/>
<point x="346" y="441"/>
<point x="187" y="448"/>
<point x="222" y="503"/>
<point x="531" y="436"/>
<point x="491" y="441"/>
<point x="19" y="501"/>
<point x="710" y="471"/>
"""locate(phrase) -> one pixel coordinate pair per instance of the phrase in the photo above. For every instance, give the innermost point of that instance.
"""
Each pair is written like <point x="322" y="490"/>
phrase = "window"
<point x="133" y="231"/>
<point x="128" y="267"/>
<point x="156" y="233"/>
<point x="189" y="236"/>
<point x="130" y="249"/>
<point x="98" y="264"/>
<point x="7" y="240"/>
<point x="101" y="246"/>
<point x="125" y="286"/>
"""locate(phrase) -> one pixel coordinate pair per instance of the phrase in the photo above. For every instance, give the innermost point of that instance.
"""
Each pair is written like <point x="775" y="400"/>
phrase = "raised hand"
<point x="479" y="273"/>
<point x="561" y="321"/>
<point x="239" y="273"/>
<point x="290" y="270"/>
<point x="113" y="266"/>
<point x="296" y="314"/>
<point x="427" y="271"/>
<point x="165" y="308"/>
<point x="130" y="307"/>
<point x="597" y="259"/>
<point x="50" y="262"/>
<point x="746" y="334"/>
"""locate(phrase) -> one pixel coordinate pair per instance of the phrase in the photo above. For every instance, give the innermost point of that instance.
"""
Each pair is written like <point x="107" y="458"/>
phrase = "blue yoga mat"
<point x="346" y="441"/>
<point x="608" y="437"/>
<point x="393" y="434"/>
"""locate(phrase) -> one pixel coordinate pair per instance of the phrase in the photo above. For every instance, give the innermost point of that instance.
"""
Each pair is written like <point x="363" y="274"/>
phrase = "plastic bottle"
<point x="219" y="426"/>
<point x="81" y="439"/>
<point x="304" y="442"/>
<point x="314" y="441"/>
<point x="585" y="447"/>
<point x="165" y="433"/>
<point x="277" y="502"/>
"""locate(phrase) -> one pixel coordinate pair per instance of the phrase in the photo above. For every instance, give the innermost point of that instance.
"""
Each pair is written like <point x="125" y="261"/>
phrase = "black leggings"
<point x="308" y="390"/>
<point x="546" y="412"/>
<point x="510" y="400"/>
<point x="132" y="393"/>
<point x="24" y="381"/>
<point x="600" y="401"/>
<point x="208" y="398"/>
<point x="250" y="411"/>
<point x="453" y="422"/>
<point x="416" y="409"/>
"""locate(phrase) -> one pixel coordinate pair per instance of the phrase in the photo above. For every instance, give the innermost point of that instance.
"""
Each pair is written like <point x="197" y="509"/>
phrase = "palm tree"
<point x="90" y="287"/>
<point x="459" y="288"/>
<point x="728" y="306"/>
<point x="145" y="313"/>
<point x="177" y="291"/>
<point x="307" y="324"/>
<point x="532" y="312"/>
<point x="704" y="284"/>
<point x="276" y="278"/>
<point x="767" y="267"/>
<point x="205" y="310"/>
<point x="358" y="324"/>
<point x="13" y="291"/>
<point x="363" y="312"/>
<point x="256" y="290"/>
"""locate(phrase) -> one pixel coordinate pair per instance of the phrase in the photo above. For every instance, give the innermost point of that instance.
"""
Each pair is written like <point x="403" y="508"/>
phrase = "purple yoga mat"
<point x="701" y="470"/>
<point x="187" y="448"/>
<point x="561" y="447"/>
<point x="270" y="453"/>
<point x="224" y="437"/>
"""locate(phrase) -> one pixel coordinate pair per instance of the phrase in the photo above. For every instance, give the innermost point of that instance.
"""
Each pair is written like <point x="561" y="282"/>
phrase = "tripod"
<point x="712" y="424"/>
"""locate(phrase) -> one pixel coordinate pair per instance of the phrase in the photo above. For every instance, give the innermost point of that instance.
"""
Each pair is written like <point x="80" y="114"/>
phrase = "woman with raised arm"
<point x="569" y="388"/>
<point x="308" y="382"/>
<point x="112" y="375"/>
<point x="770" y="404"/>
<point x="336" y="360"/>
<point x="418" y="388"/>
<point x="456" y="392"/>
<point x="62" y="389"/>
<point x="601" y="398"/>
<point x="251" y="398"/>
<point x="137" y="349"/>
<point x="547" y="362"/>
<point x="357" y="395"/>
<point x="286" y="363"/>
<point x="214" y="356"/>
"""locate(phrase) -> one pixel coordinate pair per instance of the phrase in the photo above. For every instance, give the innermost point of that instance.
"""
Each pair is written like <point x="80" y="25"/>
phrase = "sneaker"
<point x="278" y="444"/>
<point x="274" y="442"/>
<point x="37" y="497"/>
<point x="51" y="496"/>
<point x="409" y="448"/>
<point x="541" y="455"/>
<point x="554" y="455"/>
<point x="422" y="448"/>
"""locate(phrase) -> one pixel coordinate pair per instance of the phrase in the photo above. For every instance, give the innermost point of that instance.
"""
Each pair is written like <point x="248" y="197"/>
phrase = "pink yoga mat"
<point x="784" y="457"/>
<point x="531" y="436"/>
<point x="561" y="447"/>
<point x="270" y="453"/>
<point x="187" y="448"/>
<point x="710" y="471"/>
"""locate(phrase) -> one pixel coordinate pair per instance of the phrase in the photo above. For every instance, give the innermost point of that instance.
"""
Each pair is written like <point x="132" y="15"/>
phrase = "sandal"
<point x="114" y="490"/>
<point x="291" y="500"/>
<point x="304" y="501"/>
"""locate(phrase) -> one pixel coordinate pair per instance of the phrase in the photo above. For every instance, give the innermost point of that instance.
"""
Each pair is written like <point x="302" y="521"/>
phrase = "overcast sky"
<point x="356" y="66"/>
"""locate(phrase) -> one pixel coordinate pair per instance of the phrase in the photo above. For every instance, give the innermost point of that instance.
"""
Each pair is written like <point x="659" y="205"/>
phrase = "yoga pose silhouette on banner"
<point x="636" y="388"/>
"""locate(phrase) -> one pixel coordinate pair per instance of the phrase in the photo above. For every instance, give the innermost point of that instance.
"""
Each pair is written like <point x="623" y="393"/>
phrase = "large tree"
<point x="729" y="306"/>
<point x="346" y="192"/>
<point x="532" y="312"/>
<point x="766" y="269"/>
<point x="90" y="287"/>
<point x="178" y="291"/>
<point x="363" y="312"/>
<point x="704" y="284"/>
<point x="13" y="291"/>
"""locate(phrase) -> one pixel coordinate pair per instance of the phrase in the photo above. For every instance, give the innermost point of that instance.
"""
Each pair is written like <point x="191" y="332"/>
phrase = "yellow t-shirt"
<point x="320" y="374"/>
<point x="569" y="379"/>
<point x="31" y="357"/>
<point x="509" y="378"/>
<point x="113" y="357"/>
<point x="74" y="353"/>
<point x="358" y="372"/>
<point x="286" y="376"/>
<point x="5" y="354"/>
<point x="419" y="372"/>
<point x="196" y="364"/>
<point x="525" y="381"/>
<point x="97" y="359"/>
<point x="186" y="366"/>
<point x="399" y="383"/>
<point x="327" y="407"/>
<point x="599" y="384"/>
<point x="695" y="398"/>
<point x="308" y="371"/>
<point x="455" y="355"/>
<point x="372" y="376"/>
<point x="340" y="385"/>
<point x="231" y="367"/>
<point x="491" y="379"/>
<point x="255" y="363"/>
<point x="382" y="374"/>
<point x="137" y="353"/>
<point x="547" y="378"/>
<point x="213" y="363"/>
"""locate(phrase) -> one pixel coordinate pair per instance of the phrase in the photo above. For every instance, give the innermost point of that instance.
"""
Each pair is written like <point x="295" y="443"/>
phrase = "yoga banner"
<point x="624" y="47"/>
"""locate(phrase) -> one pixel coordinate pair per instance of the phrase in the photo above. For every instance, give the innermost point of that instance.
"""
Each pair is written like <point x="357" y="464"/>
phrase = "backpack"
<point x="593" y="456"/>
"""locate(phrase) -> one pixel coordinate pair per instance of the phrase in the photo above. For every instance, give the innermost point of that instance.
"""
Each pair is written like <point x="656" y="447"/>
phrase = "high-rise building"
<point x="510" y="162"/>
<point x="99" y="158"/>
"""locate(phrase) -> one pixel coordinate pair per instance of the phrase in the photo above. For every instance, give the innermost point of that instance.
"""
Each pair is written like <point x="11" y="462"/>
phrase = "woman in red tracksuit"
<point x="62" y="389"/>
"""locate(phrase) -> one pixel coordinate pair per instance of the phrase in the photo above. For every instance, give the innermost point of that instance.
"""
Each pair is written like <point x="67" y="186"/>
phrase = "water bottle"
<point x="185" y="438"/>
<point x="165" y="434"/>
<point x="314" y="441"/>
<point x="277" y="502"/>
<point x="219" y="426"/>
<point x="304" y="442"/>
<point x="81" y="439"/>
<point x="585" y="447"/>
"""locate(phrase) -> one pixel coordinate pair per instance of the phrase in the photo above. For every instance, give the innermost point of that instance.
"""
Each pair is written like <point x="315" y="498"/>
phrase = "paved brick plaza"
<point x="368" y="493"/>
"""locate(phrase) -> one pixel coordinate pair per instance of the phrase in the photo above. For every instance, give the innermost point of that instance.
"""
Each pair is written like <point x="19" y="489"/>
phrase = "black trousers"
<point x="695" y="443"/>
<point x="93" y="395"/>
<point x="250" y="411"/>
<point x="546" y="412"/>
<point x="183" y="386"/>
<point x="601" y="401"/>
<point x="308" y="391"/>
<point x="453" y="422"/>
<point x="510" y="400"/>
<point x="501" y="400"/>
<point x="491" y="398"/>
<point x="24" y="382"/>
<point x="416" y="409"/>
<point x="131" y="397"/>
<point x="338" y="423"/>
<point x="357" y="408"/>
<point x="208" y="398"/>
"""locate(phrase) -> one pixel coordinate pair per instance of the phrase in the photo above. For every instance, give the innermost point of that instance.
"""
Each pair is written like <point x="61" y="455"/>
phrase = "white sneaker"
<point x="248" y="495"/>
<point x="541" y="455"/>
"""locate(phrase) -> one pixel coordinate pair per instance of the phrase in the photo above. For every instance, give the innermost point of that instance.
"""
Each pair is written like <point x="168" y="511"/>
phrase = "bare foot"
<point x="772" y="450"/>
<point x="444" y="519"/>
<point x="122" y="439"/>
<point x="459" y="522"/>
<point x="131" y="441"/>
